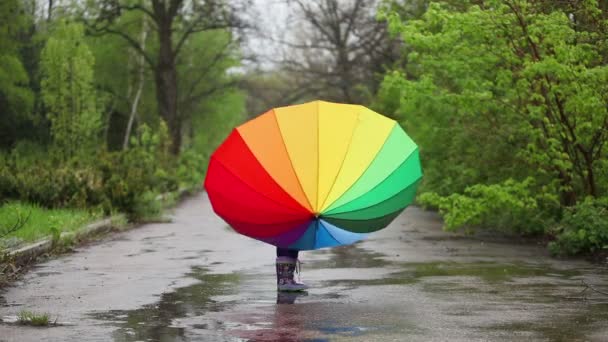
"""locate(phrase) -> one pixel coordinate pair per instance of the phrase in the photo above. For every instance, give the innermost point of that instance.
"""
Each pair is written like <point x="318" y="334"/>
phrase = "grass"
<point x="35" y="319"/>
<point x="42" y="222"/>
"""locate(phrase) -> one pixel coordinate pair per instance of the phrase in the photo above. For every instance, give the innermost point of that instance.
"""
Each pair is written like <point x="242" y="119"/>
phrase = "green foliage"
<point x="42" y="222"/>
<point x="211" y="124"/>
<point x="528" y="77"/>
<point x="215" y="119"/>
<point x="117" y="78"/>
<point x="67" y="90"/>
<point x="583" y="229"/>
<point x="510" y="206"/>
<point x="56" y="82"/>
<point x="126" y="181"/>
<point x="508" y="90"/>
<point x="210" y="82"/>
<point x="132" y="178"/>
<point x="16" y="98"/>
<point x="191" y="169"/>
<point x="55" y="185"/>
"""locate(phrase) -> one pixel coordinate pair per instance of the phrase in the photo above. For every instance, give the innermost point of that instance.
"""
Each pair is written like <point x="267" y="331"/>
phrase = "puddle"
<point x="157" y="322"/>
<point x="44" y="274"/>
<point x="568" y="324"/>
<point x="349" y="257"/>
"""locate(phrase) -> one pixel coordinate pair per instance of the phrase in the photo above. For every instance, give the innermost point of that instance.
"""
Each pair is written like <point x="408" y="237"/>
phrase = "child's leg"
<point x="286" y="266"/>
<point x="284" y="252"/>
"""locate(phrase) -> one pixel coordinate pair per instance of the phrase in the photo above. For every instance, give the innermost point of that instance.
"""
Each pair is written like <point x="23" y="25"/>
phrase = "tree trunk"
<point x="591" y="185"/>
<point x="567" y="194"/>
<point x="166" y="85"/>
<point x="50" y="11"/>
<point x="141" y="65"/>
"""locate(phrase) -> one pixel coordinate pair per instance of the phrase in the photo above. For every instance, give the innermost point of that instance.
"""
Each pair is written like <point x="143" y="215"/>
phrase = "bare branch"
<point x="227" y="21"/>
<point x="18" y="225"/>
<point x="139" y="7"/>
<point x="99" y="31"/>
<point x="342" y="46"/>
<point x="206" y="93"/>
<point x="216" y="59"/>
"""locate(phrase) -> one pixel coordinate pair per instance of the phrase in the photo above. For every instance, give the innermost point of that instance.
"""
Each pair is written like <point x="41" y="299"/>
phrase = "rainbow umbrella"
<point x="314" y="175"/>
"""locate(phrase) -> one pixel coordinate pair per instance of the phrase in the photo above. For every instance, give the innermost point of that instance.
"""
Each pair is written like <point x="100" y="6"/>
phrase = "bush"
<point x="191" y="169"/>
<point x="56" y="186"/>
<point x="508" y="206"/>
<point x="8" y="187"/>
<point x="132" y="178"/>
<point x="583" y="229"/>
<point x="126" y="181"/>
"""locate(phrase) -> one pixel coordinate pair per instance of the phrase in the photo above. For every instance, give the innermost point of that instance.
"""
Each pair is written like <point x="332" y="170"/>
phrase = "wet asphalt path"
<point x="196" y="280"/>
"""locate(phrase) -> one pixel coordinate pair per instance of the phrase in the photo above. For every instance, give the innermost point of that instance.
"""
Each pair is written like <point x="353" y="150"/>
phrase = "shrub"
<point x="508" y="206"/>
<point x="583" y="229"/>
<point x="132" y="178"/>
<point x="125" y="181"/>
<point x="191" y="169"/>
<point x="8" y="188"/>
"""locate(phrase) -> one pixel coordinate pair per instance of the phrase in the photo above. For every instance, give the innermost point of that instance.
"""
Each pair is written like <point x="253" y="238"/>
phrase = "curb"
<point x="28" y="254"/>
<point x="31" y="252"/>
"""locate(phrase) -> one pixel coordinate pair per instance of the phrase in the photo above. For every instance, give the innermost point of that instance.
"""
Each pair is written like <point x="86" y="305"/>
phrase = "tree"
<point x="67" y="90"/>
<point x="174" y="23"/>
<point x="141" y="73"/>
<point x="213" y="53"/>
<point x="274" y="88"/>
<point x="508" y="88"/>
<point x="340" y="50"/>
<point x="16" y="98"/>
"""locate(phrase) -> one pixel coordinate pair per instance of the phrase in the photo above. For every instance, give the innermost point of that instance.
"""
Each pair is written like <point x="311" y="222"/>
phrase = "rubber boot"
<point x="286" y="267"/>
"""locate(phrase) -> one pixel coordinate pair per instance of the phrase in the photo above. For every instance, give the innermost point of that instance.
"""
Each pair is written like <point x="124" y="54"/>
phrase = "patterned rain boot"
<point x="286" y="267"/>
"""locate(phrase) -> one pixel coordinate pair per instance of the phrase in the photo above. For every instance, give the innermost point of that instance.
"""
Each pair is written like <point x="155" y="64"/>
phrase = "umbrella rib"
<point x="343" y="160"/>
<point x="384" y="200"/>
<point x="382" y="181"/>
<point x="330" y="234"/>
<point x="233" y="223"/>
<point x="314" y="243"/>
<point x="255" y="190"/>
<point x="344" y="227"/>
<point x="314" y="237"/>
<point x="293" y="189"/>
<point x="366" y="169"/>
<point x="269" y="224"/>
<point x="316" y="210"/>
<point x="291" y="162"/>
<point x="286" y="217"/>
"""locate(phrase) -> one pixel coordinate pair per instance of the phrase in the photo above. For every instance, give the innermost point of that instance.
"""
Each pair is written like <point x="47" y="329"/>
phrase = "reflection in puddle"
<point x="289" y="297"/>
<point x="351" y="256"/>
<point x="157" y="321"/>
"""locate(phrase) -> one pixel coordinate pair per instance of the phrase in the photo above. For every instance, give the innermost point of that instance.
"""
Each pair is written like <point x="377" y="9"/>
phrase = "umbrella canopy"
<point x="314" y="175"/>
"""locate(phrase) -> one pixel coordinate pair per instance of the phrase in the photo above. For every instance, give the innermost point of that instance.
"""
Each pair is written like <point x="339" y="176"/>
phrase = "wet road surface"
<point x="196" y="280"/>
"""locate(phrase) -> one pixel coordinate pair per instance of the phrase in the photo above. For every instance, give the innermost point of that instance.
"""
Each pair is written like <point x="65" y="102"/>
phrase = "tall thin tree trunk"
<point x="591" y="185"/>
<point x="166" y="85"/>
<point x="106" y="127"/>
<point x="567" y="194"/>
<point x="141" y="64"/>
<point x="50" y="11"/>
